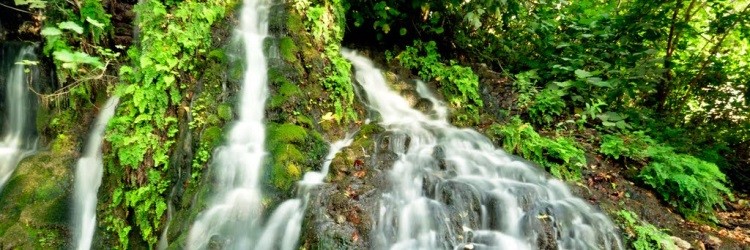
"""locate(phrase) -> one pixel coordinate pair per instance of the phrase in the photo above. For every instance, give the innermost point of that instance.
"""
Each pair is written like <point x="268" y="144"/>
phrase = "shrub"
<point x="643" y="235"/>
<point x="692" y="185"/>
<point x="459" y="84"/>
<point x="560" y="156"/>
<point x="547" y="105"/>
<point x="631" y="145"/>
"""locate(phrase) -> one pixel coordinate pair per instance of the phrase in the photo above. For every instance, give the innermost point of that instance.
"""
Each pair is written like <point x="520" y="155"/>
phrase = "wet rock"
<point x="712" y="242"/>
<point x="424" y="106"/>
<point x="680" y="243"/>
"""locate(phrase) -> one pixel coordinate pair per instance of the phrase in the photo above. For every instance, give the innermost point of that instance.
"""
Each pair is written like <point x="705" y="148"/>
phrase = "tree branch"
<point x="16" y="9"/>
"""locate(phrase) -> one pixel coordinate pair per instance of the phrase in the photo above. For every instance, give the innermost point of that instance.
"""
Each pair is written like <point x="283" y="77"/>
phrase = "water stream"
<point x="18" y="139"/>
<point x="88" y="178"/>
<point x="235" y="211"/>
<point x="282" y="230"/>
<point x="451" y="188"/>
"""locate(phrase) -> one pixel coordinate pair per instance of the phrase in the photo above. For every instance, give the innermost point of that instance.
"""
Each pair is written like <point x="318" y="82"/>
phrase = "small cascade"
<point x="451" y="188"/>
<point x="235" y="210"/>
<point x="282" y="230"/>
<point x="18" y="139"/>
<point x="88" y="178"/>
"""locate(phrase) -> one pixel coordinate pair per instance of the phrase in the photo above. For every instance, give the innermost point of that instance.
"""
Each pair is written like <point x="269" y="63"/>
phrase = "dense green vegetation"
<point x="667" y="70"/>
<point x="170" y="47"/>
<point x="657" y="88"/>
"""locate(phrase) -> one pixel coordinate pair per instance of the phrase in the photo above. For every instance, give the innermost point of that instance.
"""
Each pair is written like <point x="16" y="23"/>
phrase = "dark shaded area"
<point x="17" y="22"/>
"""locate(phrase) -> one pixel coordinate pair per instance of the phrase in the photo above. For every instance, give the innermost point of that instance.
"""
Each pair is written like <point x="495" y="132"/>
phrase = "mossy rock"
<point x="36" y="202"/>
<point x="288" y="49"/>
<point x="225" y="112"/>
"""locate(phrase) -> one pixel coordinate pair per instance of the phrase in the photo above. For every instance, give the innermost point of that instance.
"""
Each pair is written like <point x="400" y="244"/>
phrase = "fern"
<point x="459" y="84"/>
<point x="643" y="235"/>
<point x="694" y="186"/>
<point x="631" y="145"/>
<point x="547" y="105"/>
<point x="560" y="156"/>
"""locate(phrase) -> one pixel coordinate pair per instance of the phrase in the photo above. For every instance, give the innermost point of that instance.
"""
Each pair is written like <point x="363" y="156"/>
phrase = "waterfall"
<point x="18" y="136"/>
<point x="88" y="178"/>
<point x="282" y="230"/>
<point x="451" y="188"/>
<point x="235" y="210"/>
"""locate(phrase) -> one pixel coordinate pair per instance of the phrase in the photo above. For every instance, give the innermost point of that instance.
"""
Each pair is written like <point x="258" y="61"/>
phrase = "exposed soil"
<point x="606" y="184"/>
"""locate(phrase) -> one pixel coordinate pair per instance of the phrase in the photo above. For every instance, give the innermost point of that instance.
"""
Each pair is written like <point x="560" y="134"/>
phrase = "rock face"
<point x="35" y="203"/>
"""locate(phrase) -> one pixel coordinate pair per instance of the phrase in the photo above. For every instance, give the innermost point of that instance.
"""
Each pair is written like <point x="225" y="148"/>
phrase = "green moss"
<point x="218" y="54"/>
<point x="285" y="91"/>
<point x="285" y="174"/>
<point x="287" y="133"/>
<point x="288" y="49"/>
<point x="225" y="112"/>
<point x="365" y="135"/>
<point x="305" y="120"/>
<point x="294" y="24"/>
<point x="212" y="135"/>
<point x="42" y="119"/>
<point x="289" y="89"/>
<point x="284" y="141"/>
<point x="35" y="207"/>
<point x="287" y="152"/>
<point x="62" y="143"/>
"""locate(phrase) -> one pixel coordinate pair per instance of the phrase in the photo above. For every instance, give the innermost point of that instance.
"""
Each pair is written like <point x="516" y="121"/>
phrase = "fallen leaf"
<point x="327" y="117"/>
<point x="360" y="174"/>
<point x="355" y="236"/>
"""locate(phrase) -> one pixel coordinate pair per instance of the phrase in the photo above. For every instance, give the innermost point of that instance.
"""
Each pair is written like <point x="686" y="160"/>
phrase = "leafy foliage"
<point x="459" y="84"/>
<point x="172" y="40"/>
<point x="75" y="36"/>
<point x="326" y="23"/>
<point x="560" y="156"/>
<point x="631" y="145"/>
<point x="692" y="185"/>
<point x="643" y="235"/>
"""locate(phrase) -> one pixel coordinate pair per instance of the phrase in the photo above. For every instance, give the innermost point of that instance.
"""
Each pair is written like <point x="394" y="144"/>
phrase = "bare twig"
<point x="16" y="9"/>
<point x="65" y="90"/>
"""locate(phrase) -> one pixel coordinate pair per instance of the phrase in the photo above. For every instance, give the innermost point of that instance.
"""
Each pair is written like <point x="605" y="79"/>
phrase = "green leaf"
<point x="95" y="22"/>
<point x="596" y="81"/>
<point x="63" y="55"/>
<point x="386" y="28"/>
<point x="564" y="84"/>
<point x="582" y="74"/>
<point x="51" y="31"/>
<point x="68" y="25"/>
<point x="402" y="31"/>
<point x="169" y="79"/>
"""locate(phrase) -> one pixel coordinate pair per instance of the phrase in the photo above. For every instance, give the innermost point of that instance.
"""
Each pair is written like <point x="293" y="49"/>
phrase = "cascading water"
<point x="282" y="230"/>
<point x="451" y="188"/>
<point x="88" y="178"/>
<point x="18" y="139"/>
<point x="235" y="210"/>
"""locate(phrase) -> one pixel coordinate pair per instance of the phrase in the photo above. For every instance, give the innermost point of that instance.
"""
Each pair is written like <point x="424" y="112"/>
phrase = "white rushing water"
<point x="282" y="230"/>
<point x="88" y="178"/>
<point x="17" y="141"/>
<point x="451" y="188"/>
<point x="235" y="210"/>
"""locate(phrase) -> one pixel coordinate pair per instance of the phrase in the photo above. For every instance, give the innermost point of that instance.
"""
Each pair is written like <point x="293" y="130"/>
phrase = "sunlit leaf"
<point x="68" y="25"/>
<point x="50" y="31"/>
